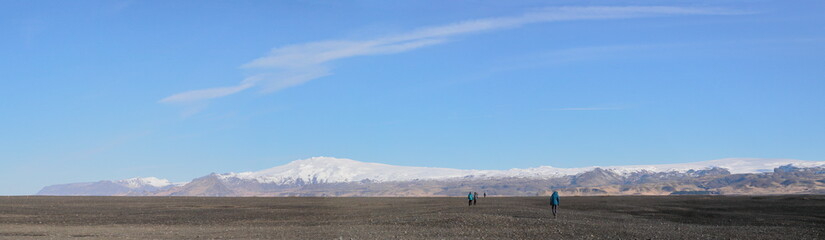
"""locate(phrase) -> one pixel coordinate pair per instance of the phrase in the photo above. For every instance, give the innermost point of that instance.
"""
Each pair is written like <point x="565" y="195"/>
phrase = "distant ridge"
<point x="108" y="188"/>
<point x="335" y="170"/>
<point x="328" y="176"/>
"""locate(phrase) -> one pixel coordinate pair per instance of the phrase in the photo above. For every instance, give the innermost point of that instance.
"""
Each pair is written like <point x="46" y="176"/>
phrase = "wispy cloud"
<point x="295" y="64"/>
<point x="207" y="93"/>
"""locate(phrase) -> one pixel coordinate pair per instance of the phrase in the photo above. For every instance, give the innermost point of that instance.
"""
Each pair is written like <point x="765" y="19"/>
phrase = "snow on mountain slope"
<point x="331" y="170"/>
<point x="139" y="182"/>
<point x="734" y="165"/>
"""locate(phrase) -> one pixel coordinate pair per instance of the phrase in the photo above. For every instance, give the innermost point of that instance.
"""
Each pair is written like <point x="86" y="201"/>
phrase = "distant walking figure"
<point x="470" y="196"/>
<point x="475" y="197"/>
<point x="485" y="194"/>
<point x="554" y="202"/>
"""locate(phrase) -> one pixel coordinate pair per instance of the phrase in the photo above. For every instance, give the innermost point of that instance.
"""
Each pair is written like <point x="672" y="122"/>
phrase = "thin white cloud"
<point x="208" y="93"/>
<point x="296" y="64"/>
<point x="275" y="82"/>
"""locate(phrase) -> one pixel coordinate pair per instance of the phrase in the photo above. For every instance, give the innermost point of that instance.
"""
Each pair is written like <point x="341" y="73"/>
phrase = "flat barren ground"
<point x="625" y="217"/>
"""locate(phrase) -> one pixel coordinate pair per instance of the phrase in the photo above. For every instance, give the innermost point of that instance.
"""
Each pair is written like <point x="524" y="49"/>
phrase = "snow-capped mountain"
<point x="332" y="170"/>
<point x="320" y="176"/>
<point x="337" y="170"/>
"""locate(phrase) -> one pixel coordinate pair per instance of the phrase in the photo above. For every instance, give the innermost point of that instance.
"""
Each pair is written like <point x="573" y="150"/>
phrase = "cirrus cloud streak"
<point x="293" y="65"/>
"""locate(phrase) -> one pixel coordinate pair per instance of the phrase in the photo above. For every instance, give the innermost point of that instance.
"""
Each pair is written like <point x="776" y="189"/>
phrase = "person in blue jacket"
<point x="470" y="196"/>
<point x="554" y="202"/>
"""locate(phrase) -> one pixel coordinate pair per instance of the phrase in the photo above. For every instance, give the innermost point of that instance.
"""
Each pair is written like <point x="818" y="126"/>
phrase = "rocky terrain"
<point x="616" y="217"/>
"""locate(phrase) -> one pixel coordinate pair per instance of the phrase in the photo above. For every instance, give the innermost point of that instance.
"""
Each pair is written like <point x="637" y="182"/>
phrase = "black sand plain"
<point x="615" y="217"/>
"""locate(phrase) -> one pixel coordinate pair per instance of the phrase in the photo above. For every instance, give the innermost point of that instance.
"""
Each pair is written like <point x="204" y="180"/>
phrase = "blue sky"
<point x="96" y="90"/>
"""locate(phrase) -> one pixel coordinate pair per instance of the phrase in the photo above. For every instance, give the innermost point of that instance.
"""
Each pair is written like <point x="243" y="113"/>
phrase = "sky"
<point x="94" y="90"/>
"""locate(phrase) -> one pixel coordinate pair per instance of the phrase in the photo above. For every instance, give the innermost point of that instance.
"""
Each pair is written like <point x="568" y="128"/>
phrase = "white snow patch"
<point x="139" y="182"/>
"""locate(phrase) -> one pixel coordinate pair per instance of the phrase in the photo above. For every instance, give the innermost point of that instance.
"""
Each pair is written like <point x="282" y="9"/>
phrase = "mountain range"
<point x="327" y="176"/>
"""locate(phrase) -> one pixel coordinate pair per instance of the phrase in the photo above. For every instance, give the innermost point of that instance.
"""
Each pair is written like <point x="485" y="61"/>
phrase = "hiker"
<point x="485" y="193"/>
<point x="554" y="202"/>
<point x="475" y="197"/>
<point x="470" y="196"/>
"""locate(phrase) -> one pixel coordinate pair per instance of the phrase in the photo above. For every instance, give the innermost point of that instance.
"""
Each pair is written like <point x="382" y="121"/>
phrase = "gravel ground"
<point x="621" y="217"/>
